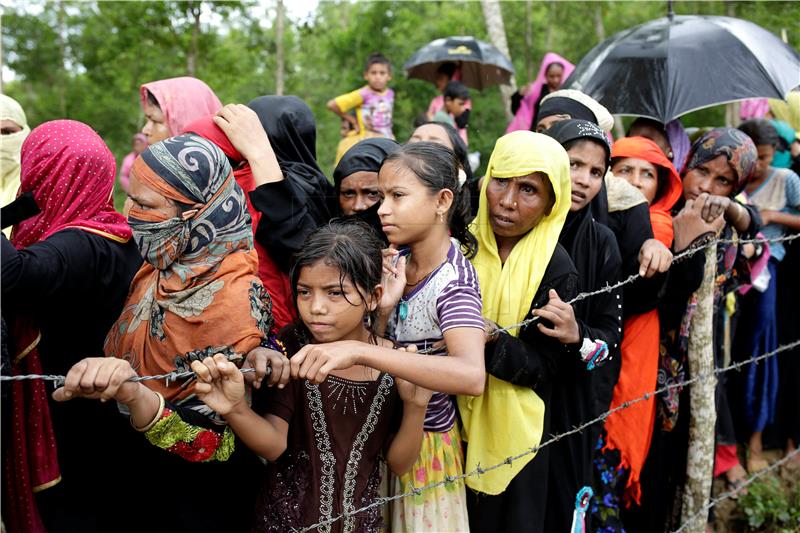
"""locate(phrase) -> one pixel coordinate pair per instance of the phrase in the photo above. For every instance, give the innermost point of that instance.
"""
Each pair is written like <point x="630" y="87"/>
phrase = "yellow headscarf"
<point x="508" y="419"/>
<point x="788" y="110"/>
<point x="10" y="146"/>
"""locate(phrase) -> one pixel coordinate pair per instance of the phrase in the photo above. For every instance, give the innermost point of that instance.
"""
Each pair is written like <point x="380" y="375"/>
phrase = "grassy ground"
<point x="731" y="514"/>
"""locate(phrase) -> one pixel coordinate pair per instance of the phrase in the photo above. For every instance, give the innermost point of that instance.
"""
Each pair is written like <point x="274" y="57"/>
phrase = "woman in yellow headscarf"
<point x="13" y="130"/>
<point x="524" y="202"/>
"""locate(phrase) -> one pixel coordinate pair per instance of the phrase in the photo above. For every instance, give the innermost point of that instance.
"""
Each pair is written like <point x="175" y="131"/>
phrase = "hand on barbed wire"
<point x="654" y="258"/>
<point x="243" y="128"/>
<point x="99" y="378"/>
<point x="689" y="223"/>
<point x="261" y="358"/>
<point x="565" y="327"/>
<point x="715" y="206"/>
<point x="393" y="279"/>
<point x="315" y="361"/>
<point x="220" y="384"/>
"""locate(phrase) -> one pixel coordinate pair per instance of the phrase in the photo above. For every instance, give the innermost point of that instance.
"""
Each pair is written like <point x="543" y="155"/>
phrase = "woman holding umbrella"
<point x="525" y="103"/>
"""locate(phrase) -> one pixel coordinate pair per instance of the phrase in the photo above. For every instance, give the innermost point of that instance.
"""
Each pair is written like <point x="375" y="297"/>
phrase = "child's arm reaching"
<point x="461" y="372"/>
<point x="404" y="450"/>
<point x="220" y="385"/>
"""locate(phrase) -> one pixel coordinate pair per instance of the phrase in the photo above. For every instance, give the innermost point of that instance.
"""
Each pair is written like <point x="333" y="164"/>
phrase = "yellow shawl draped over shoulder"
<point x="508" y="419"/>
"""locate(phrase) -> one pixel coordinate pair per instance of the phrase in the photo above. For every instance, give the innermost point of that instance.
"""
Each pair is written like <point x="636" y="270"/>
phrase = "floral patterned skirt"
<point x="443" y="508"/>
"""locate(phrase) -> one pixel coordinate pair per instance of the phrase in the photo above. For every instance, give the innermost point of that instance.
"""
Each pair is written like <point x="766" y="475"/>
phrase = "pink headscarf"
<point x="70" y="171"/>
<point x="522" y="120"/>
<point x="182" y="100"/>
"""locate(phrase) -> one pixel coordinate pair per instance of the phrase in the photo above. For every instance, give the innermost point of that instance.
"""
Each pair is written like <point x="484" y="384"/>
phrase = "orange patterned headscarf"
<point x="206" y="299"/>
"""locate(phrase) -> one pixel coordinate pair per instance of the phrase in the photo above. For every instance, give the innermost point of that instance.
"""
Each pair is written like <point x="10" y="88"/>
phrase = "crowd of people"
<point x="359" y="337"/>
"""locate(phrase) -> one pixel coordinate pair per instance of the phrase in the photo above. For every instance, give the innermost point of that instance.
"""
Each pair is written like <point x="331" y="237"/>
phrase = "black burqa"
<point x="580" y="394"/>
<point x="295" y="206"/>
<point x="365" y="156"/>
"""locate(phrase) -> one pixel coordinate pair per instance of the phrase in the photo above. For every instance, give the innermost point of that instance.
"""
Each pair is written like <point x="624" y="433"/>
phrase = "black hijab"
<point x="579" y="235"/>
<point x="365" y="156"/>
<point x="292" y="132"/>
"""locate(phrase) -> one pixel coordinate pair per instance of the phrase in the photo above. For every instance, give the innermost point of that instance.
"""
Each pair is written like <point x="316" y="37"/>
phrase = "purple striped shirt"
<point x="449" y="298"/>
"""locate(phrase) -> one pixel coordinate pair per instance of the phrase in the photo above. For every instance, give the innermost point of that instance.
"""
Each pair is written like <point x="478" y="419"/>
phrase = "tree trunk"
<point x="548" y="29"/>
<point x="528" y="40"/>
<point x="194" y="9"/>
<point x="279" y="59"/>
<point x="497" y="35"/>
<point x="62" y="50"/>
<point x="703" y="416"/>
<point x="599" y="28"/>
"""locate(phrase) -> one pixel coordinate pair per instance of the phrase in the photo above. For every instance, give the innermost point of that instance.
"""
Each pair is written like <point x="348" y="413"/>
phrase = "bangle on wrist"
<point x="156" y="418"/>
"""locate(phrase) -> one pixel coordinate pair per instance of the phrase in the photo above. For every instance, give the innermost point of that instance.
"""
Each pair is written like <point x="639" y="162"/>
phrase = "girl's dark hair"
<point x="459" y="147"/>
<point x="436" y="166"/>
<point x="353" y="248"/>
<point x="554" y="64"/>
<point x="761" y="131"/>
<point x="151" y="99"/>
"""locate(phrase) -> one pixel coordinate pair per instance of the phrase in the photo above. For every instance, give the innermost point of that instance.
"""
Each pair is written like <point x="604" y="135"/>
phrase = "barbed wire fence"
<point x="479" y="470"/>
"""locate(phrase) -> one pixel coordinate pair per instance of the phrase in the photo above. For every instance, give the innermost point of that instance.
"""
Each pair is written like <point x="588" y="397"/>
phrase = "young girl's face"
<point x="409" y="210"/>
<point x="587" y="167"/>
<point x="331" y="308"/>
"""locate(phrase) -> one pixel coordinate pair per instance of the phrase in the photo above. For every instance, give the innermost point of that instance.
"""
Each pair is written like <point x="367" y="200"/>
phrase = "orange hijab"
<point x="198" y="293"/>
<point x="630" y="430"/>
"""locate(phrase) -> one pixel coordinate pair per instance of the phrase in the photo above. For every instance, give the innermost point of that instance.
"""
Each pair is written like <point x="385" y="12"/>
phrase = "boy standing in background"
<point x="373" y="102"/>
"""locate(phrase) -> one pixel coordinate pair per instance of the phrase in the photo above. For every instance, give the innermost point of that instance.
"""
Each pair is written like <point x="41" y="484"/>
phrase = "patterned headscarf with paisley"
<point x="737" y="147"/>
<point x="198" y="293"/>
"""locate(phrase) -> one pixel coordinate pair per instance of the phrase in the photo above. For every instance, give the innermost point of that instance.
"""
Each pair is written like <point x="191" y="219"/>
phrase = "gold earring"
<point x="441" y="217"/>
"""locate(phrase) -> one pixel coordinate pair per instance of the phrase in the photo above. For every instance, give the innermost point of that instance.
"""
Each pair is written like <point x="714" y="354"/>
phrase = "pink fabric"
<point x="70" y="171"/>
<point x="182" y="100"/>
<point x="757" y="266"/>
<point x="522" y="120"/>
<point x="753" y="108"/>
<point x="725" y="458"/>
<point x="125" y="171"/>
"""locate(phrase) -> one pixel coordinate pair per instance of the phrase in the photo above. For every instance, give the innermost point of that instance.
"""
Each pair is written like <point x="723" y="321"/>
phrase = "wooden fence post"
<point x="703" y="417"/>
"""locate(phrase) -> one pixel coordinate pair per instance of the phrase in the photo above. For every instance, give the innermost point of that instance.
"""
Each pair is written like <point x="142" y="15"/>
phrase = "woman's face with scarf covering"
<point x="547" y="122"/>
<point x="587" y="167"/>
<point x="714" y="176"/>
<point x="7" y="127"/>
<point x="156" y="129"/>
<point x="517" y="205"/>
<point x="144" y="198"/>
<point x="358" y="192"/>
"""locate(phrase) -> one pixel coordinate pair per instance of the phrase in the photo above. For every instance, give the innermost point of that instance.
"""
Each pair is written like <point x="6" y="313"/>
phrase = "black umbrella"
<point x="482" y="64"/>
<point x="670" y="66"/>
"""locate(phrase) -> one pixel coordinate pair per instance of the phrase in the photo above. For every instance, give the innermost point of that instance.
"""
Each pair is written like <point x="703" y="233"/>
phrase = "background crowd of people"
<point x="378" y="313"/>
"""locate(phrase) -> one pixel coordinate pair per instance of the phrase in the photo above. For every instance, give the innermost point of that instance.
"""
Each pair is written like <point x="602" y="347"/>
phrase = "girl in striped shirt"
<point x="431" y="295"/>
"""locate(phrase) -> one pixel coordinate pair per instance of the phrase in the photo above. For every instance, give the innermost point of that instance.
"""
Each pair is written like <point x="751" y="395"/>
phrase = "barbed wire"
<point x="703" y="512"/>
<point x="552" y="440"/>
<point x="633" y="277"/>
<point x="172" y="376"/>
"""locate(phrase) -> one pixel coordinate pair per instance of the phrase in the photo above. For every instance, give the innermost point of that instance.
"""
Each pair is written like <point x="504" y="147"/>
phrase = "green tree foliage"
<point x="86" y="60"/>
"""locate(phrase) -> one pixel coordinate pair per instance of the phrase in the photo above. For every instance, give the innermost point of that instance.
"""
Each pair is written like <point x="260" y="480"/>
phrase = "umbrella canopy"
<point x="482" y="64"/>
<point x="670" y="66"/>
